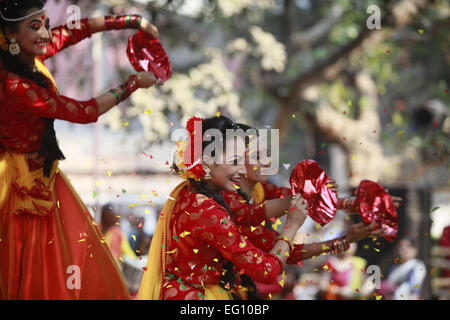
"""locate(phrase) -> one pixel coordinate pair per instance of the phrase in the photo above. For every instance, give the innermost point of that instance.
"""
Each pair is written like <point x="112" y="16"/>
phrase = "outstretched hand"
<point x="360" y="230"/>
<point x="298" y="212"/>
<point x="148" y="28"/>
<point x="146" y="79"/>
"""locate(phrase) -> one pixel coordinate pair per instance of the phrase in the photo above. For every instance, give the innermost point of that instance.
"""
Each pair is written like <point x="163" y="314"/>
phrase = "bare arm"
<point x="108" y="100"/>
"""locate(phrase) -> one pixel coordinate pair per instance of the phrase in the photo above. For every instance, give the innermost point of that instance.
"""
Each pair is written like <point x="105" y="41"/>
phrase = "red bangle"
<point x="129" y="87"/>
<point x="286" y="239"/>
<point x="132" y="21"/>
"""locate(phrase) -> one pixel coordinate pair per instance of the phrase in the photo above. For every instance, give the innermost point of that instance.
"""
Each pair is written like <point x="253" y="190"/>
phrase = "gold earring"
<point x="14" y="48"/>
<point x="208" y="174"/>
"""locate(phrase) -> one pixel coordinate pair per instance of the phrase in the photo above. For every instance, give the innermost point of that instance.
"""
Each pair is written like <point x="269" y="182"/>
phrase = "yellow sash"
<point x="258" y="193"/>
<point x="151" y="283"/>
<point x="43" y="69"/>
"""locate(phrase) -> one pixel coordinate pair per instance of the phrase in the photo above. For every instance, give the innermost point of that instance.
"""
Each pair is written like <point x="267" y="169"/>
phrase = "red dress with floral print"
<point x="203" y="236"/>
<point x="50" y="246"/>
<point x="248" y="218"/>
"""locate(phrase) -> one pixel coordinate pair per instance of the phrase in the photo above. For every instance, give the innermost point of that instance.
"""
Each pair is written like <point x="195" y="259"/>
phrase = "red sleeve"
<point x="27" y="96"/>
<point x="296" y="254"/>
<point x="222" y="234"/>
<point x="260" y="236"/>
<point x="63" y="37"/>
<point x="243" y="213"/>
<point x="272" y="191"/>
<point x="265" y="240"/>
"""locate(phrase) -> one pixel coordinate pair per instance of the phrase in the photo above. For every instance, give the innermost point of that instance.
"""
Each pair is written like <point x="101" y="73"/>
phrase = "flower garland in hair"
<point x="190" y="163"/>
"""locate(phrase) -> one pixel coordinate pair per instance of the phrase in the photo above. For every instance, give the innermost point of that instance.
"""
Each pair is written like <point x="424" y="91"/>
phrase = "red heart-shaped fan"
<point x="375" y="204"/>
<point x="147" y="54"/>
<point x="308" y="179"/>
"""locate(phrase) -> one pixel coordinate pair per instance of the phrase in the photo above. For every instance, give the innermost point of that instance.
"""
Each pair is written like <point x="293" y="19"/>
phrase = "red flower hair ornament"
<point x="188" y="157"/>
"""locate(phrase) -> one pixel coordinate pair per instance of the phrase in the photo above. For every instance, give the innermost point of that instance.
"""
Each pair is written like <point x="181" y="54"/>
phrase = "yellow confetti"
<point x="109" y="173"/>
<point x="81" y="240"/>
<point x="241" y="245"/>
<point x="416" y="286"/>
<point x="253" y="228"/>
<point x="420" y="31"/>
<point x="377" y="250"/>
<point x="148" y="111"/>
<point x="413" y="157"/>
<point x="354" y="157"/>
<point x="120" y="258"/>
<point x="281" y="283"/>
<point x="184" y="234"/>
<point x="146" y="211"/>
<point x="97" y="183"/>
<point x="217" y="114"/>
<point x="187" y="213"/>
<point x="325" y="267"/>
<point x="378" y="297"/>
<point x="263" y="223"/>
<point x="293" y="116"/>
<point x="236" y="186"/>
<point x="126" y="124"/>
<point x="132" y="205"/>
<point x="195" y="250"/>
<point x="57" y="203"/>
<point x="255" y="168"/>
<point x="134" y="237"/>
<point x="349" y="102"/>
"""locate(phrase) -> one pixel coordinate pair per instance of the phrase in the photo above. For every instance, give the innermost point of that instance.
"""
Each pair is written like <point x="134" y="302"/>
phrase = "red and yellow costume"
<point x="252" y="225"/>
<point x="197" y="236"/>
<point x="250" y="221"/>
<point x="44" y="226"/>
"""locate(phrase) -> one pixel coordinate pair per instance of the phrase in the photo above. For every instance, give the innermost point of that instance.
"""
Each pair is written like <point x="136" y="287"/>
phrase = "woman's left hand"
<point x="360" y="230"/>
<point x="333" y="185"/>
<point x="148" y="28"/>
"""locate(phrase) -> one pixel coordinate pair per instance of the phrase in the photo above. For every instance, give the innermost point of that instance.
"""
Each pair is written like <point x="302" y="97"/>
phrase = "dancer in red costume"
<point x="50" y="247"/>
<point x="255" y="190"/>
<point x="197" y="250"/>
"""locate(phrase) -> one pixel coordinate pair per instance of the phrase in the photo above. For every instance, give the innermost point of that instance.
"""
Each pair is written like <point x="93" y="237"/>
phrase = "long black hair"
<point x="14" y="9"/>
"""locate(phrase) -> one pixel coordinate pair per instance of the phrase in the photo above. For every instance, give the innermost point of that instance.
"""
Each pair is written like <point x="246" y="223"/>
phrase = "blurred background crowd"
<point x="366" y="103"/>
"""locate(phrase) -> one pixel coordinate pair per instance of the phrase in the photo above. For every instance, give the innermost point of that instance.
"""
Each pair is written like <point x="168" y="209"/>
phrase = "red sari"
<point x="203" y="236"/>
<point x="50" y="246"/>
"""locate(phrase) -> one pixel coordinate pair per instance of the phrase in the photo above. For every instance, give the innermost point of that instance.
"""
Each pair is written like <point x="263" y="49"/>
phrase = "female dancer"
<point x="197" y="250"/>
<point x="254" y="190"/>
<point x="50" y="247"/>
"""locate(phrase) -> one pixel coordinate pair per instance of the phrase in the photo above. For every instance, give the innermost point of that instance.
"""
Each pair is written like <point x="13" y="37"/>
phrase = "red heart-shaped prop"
<point x="308" y="179"/>
<point x="147" y="54"/>
<point x="375" y="204"/>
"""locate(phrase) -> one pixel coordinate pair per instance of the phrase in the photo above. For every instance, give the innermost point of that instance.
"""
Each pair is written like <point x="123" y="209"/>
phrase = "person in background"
<point x="114" y="237"/>
<point x="407" y="277"/>
<point x="345" y="274"/>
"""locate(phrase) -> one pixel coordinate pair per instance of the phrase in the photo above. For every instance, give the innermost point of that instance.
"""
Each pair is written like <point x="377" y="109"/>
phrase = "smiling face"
<point x="228" y="171"/>
<point x="33" y="34"/>
<point x="254" y="169"/>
